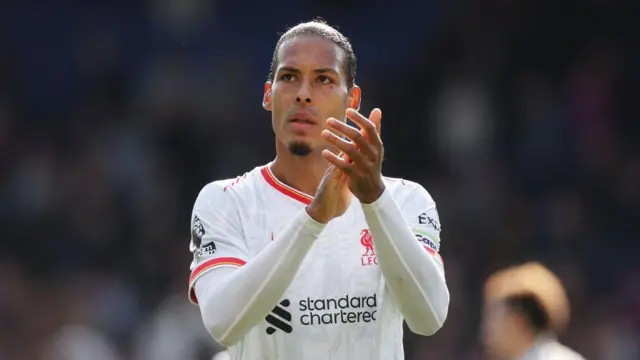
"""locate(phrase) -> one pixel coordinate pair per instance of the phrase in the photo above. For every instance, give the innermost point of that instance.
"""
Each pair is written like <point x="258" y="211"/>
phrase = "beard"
<point x="299" y="148"/>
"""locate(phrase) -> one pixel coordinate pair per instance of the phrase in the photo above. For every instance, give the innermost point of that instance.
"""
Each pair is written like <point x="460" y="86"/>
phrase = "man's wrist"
<point x="384" y="200"/>
<point x="376" y="195"/>
<point x="316" y="215"/>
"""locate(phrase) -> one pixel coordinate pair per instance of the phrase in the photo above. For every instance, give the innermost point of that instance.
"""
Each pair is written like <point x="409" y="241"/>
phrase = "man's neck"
<point x="521" y="346"/>
<point x="302" y="173"/>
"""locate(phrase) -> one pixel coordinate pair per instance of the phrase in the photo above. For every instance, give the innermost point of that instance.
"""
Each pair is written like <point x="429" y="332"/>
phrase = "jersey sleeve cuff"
<point x="310" y="225"/>
<point x="207" y="266"/>
<point x="383" y="201"/>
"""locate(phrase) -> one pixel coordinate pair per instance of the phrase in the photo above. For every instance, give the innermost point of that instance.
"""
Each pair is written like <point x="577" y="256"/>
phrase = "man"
<point x="525" y="307"/>
<point x="316" y="255"/>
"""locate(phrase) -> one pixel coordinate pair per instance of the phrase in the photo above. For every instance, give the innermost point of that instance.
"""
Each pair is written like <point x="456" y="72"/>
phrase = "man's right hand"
<point x="333" y="196"/>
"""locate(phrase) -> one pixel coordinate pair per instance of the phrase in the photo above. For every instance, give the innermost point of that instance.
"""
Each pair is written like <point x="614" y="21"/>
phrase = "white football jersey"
<point x="548" y="348"/>
<point x="337" y="306"/>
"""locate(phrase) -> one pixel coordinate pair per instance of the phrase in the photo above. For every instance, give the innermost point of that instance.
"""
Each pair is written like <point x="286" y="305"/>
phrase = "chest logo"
<point x="369" y="256"/>
<point x="279" y="318"/>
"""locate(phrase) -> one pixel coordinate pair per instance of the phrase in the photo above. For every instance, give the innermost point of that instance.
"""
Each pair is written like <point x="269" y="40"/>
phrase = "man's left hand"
<point x="364" y="153"/>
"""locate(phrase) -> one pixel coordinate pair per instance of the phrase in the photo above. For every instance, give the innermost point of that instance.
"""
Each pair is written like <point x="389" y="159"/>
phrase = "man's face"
<point x="309" y="86"/>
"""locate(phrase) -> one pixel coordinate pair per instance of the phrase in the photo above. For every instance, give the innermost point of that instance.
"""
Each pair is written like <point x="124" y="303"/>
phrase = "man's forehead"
<point x="310" y="51"/>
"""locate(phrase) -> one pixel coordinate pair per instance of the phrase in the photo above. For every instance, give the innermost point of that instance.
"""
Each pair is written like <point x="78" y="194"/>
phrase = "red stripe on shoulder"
<point x="208" y="265"/>
<point x="213" y="263"/>
<point x="434" y="253"/>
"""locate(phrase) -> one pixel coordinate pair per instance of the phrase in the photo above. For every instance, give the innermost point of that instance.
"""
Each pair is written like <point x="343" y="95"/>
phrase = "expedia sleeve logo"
<point x="424" y="219"/>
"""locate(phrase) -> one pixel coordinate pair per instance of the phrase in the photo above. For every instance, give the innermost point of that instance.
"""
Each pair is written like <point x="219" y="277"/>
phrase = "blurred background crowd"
<point x="520" y="117"/>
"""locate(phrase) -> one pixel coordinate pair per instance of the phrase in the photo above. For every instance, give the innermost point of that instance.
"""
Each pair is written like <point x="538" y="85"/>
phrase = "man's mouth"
<point x="303" y="118"/>
<point x="302" y="121"/>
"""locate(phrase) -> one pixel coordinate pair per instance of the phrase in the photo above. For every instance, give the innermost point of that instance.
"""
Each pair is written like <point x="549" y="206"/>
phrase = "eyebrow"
<point x="297" y="71"/>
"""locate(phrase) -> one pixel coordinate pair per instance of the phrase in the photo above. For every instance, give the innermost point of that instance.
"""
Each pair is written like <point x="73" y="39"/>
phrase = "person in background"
<point x="525" y="308"/>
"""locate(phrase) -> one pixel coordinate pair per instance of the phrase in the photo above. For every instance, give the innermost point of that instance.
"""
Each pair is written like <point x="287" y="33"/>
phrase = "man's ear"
<point x="266" y="100"/>
<point x="355" y="97"/>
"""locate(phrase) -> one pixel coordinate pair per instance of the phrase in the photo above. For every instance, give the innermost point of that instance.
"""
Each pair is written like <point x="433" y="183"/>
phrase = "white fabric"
<point x="223" y="355"/>
<point x="234" y="301"/>
<point x="415" y="277"/>
<point x="334" y="300"/>
<point x="548" y="348"/>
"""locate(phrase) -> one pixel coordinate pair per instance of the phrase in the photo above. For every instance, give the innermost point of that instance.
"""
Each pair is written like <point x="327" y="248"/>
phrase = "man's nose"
<point x="304" y="95"/>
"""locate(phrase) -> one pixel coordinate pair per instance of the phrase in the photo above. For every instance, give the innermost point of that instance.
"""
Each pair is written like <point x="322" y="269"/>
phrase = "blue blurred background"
<point x="520" y="117"/>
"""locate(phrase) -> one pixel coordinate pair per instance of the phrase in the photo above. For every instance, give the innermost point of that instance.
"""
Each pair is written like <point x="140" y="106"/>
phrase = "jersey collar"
<point x="284" y="188"/>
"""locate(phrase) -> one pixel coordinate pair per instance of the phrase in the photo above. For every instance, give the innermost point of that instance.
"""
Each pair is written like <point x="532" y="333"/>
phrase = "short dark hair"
<point x="535" y="314"/>
<point x="318" y="27"/>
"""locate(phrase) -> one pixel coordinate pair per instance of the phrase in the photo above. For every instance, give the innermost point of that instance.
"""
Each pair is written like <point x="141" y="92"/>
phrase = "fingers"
<point x="347" y="147"/>
<point x="339" y="162"/>
<point x="361" y="149"/>
<point x="355" y="135"/>
<point x="376" y="118"/>
<point x="369" y="126"/>
<point x="334" y="171"/>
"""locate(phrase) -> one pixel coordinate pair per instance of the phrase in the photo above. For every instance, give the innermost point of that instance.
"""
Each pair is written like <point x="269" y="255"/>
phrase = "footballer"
<point x="317" y="255"/>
